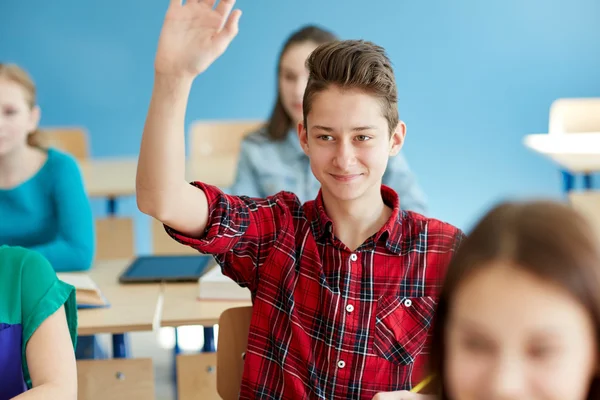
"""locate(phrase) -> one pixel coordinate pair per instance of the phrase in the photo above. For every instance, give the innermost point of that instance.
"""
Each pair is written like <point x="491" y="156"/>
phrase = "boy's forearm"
<point x="161" y="165"/>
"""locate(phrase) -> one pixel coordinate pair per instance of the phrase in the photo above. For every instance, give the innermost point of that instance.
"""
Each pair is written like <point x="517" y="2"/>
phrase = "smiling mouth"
<point x="345" y="178"/>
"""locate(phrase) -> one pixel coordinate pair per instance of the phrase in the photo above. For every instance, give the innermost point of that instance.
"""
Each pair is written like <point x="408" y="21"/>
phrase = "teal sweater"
<point x="50" y="213"/>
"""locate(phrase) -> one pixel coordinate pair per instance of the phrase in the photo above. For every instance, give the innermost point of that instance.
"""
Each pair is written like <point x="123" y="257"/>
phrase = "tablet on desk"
<point x="166" y="269"/>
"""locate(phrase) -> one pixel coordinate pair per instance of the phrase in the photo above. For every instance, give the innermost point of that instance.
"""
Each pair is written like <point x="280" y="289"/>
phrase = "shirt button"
<point x="407" y="303"/>
<point x="353" y="257"/>
<point x="341" y="364"/>
<point x="349" y="308"/>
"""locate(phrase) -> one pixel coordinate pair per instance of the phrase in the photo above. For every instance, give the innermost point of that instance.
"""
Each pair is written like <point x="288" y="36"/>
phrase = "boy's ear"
<point x="397" y="138"/>
<point x="303" y="136"/>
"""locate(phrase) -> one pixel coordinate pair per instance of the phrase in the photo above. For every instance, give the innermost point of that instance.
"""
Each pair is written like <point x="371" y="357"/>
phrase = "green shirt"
<point x="29" y="293"/>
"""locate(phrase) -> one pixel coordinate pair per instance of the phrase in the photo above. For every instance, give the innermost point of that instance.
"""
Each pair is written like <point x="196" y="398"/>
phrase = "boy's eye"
<point x="363" y="138"/>
<point x="325" y="138"/>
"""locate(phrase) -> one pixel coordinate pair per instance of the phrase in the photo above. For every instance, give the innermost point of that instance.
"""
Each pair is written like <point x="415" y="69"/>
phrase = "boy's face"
<point x="348" y="142"/>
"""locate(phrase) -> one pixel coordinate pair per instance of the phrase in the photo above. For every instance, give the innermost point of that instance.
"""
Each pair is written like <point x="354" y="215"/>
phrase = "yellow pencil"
<point x="422" y="384"/>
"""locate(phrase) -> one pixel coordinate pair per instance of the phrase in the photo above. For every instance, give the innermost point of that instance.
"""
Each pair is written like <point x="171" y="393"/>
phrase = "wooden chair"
<point x="234" y="325"/>
<point x="196" y="372"/>
<point x="575" y="115"/>
<point x="117" y="379"/>
<point x="196" y="377"/>
<point x="164" y="245"/>
<point x="588" y="204"/>
<point x="72" y="140"/>
<point x="115" y="238"/>
<point x="219" y="138"/>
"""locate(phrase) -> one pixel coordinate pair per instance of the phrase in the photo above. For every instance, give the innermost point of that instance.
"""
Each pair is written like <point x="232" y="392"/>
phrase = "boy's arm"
<point x="243" y="232"/>
<point x="192" y="37"/>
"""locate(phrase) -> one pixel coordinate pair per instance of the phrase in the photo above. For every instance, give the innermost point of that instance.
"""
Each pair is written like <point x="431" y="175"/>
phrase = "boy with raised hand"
<point x="343" y="287"/>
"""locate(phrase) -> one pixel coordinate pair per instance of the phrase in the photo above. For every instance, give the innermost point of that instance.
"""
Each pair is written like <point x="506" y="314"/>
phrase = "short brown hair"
<point x="18" y="75"/>
<point x="353" y="64"/>
<point x="546" y="239"/>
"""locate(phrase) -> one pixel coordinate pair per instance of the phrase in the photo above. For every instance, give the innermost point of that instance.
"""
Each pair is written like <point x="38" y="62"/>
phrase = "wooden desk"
<point x="181" y="306"/>
<point x="576" y="152"/>
<point x="115" y="177"/>
<point x="133" y="307"/>
<point x="109" y="177"/>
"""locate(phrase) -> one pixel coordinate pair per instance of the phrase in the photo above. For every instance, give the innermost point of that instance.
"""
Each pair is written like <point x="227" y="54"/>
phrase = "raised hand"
<point x="403" y="395"/>
<point x="194" y="35"/>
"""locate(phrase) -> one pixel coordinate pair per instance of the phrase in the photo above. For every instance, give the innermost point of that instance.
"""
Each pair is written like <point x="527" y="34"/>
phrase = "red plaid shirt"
<point x="327" y="322"/>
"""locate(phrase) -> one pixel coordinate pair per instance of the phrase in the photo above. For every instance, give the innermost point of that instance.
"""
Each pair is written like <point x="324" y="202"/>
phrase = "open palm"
<point x="194" y="35"/>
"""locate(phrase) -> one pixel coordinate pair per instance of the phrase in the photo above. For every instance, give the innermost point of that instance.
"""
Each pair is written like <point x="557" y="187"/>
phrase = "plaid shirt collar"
<point x="391" y="232"/>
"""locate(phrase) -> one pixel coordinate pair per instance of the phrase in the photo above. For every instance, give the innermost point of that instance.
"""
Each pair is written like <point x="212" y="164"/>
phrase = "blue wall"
<point x="474" y="77"/>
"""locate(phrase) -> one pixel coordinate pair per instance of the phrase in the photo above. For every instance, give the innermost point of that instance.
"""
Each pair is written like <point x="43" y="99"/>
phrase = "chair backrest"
<point x="196" y="377"/>
<point x="588" y="204"/>
<point x="117" y="379"/>
<point x="72" y="140"/>
<point x="115" y="238"/>
<point x="219" y="138"/>
<point x="164" y="245"/>
<point x="575" y="115"/>
<point x="234" y="325"/>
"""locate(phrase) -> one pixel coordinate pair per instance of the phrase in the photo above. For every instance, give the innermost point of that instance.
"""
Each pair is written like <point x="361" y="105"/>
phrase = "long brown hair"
<point x="280" y="122"/>
<point x="547" y="239"/>
<point x="14" y="73"/>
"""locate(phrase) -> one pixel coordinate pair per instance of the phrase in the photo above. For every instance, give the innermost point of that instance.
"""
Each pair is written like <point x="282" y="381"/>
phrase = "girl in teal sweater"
<point x="43" y="204"/>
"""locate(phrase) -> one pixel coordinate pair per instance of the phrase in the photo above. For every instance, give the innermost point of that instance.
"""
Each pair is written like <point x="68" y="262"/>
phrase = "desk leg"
<point x="568" y="181"/>
<point x="88" y="348"/>
<point x="209" y="340"/>
<point x="176" y="348"/>
<point x="111" y="208"/>
<point x="176" y="351"/>
<point x="587" y="181"/>
<point x="120" y="345"/>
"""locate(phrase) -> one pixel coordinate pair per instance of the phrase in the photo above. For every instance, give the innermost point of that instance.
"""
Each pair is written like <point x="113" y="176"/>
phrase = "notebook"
<point x="213" y="285"/>
<point x="88" y="294"/>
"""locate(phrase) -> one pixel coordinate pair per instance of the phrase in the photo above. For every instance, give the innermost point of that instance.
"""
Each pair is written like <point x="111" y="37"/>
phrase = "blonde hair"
<point x="14" y="73"/>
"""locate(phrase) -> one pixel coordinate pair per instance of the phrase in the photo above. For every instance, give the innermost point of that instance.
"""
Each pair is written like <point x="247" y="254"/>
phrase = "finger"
<point x="223" y="9"/>
<point x="402" y="395"/>
<point x="210" y="3"/>
<point x="231" y="28"/>
<point x="173" y="3"/>
<point x="382" y="396"/>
